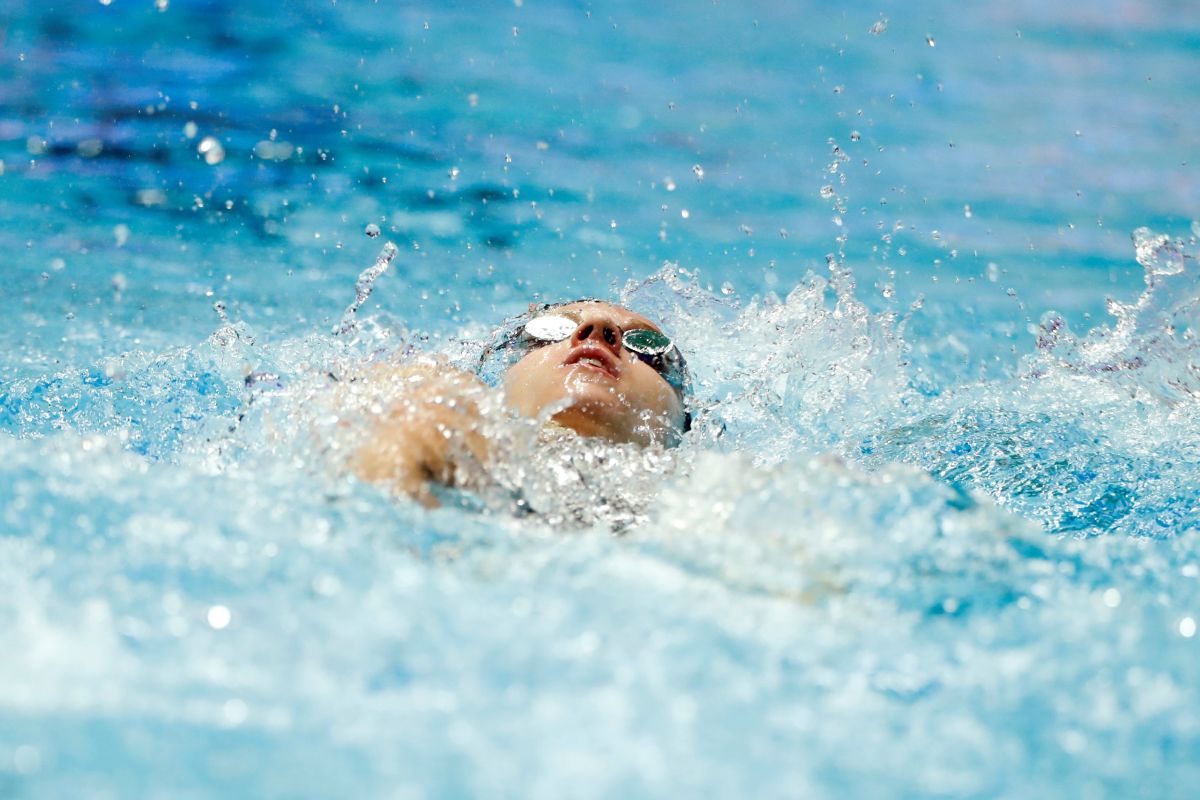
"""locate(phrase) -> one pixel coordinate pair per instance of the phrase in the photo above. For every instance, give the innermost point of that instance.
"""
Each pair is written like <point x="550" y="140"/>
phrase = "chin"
<point x="599" y="420"/>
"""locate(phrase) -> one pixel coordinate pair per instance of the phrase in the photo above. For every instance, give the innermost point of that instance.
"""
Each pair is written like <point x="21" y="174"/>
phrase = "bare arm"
<point x="425" y="429"/>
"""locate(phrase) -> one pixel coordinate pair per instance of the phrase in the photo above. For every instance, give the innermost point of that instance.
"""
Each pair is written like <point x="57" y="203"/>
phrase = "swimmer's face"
<point x="603" y="389"/>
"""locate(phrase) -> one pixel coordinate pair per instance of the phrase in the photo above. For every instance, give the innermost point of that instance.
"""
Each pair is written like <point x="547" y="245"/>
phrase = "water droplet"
<point x="967" y="211"/>
<point x="783" y="233"/>
<point x="453" y="173"/>
<point x="685" y="213"/>
<point x="698" y="171"/>
<point x="212" y="150"/>
<point x="746" y="229"/>
<point x="364" y="286"/>
<point x="826" y="192"/>
<point x="879" y="27"/>
<point x="372" y="230"/>
<point x="1187" y="627"/>
<point x="855" y="136"/>
<point x="234" y="712"/>
<point x="26" y="760"/>
<point x="106" y="2"/>
<point x="190" y="130"/>
<point x="162" y="5"/>
<point x="219" y="617"/>
<point x="670" y="184"/>
<point x="727" y="288"/>
<point x="1112" y="598"/>
<point x="929" y="40"/>
<point x="121" y="234"/>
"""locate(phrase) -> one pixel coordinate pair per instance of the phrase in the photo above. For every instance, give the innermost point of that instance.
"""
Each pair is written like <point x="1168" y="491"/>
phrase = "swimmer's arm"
<point x="428" y="431"/>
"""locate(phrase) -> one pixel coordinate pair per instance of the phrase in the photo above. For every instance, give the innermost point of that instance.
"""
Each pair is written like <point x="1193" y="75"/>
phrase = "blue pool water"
<point x="934" y="266"/>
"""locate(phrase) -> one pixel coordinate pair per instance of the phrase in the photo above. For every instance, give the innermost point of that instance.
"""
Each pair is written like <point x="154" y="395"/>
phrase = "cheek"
<point x="532" y="383"/>
<point x="655" y="393"/>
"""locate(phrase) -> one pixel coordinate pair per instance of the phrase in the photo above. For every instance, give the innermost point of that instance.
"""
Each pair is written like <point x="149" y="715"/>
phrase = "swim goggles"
<point x="654" y="348"/>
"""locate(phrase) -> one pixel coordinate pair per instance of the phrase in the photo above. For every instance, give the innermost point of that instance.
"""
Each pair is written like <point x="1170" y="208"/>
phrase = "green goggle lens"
<point x="647" y="342"/>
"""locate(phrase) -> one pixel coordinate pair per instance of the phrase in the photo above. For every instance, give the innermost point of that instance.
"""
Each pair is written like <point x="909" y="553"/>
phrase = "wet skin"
<point x="590" y="383"/>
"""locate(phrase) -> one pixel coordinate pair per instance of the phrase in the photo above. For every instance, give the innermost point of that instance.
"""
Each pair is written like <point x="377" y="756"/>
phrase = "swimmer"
<point x="584" y="369"/>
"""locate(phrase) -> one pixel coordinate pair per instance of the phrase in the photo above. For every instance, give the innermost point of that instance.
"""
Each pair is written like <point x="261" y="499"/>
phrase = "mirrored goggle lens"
<point x="647" y="342"/>
<point x="549" y="328"/>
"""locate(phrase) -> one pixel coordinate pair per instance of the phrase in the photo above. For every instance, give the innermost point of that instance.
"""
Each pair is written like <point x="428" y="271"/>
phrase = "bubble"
<point x="1112" y="598"/>
<point x="372" y="230"/>
<point x="190" y="130"/>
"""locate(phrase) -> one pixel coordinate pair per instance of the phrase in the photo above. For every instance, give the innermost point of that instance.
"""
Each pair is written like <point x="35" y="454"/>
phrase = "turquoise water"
<point x="934" y="267"/>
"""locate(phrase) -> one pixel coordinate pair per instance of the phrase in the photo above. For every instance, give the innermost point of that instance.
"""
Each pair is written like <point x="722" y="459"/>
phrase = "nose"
<point x="599" y="327"/>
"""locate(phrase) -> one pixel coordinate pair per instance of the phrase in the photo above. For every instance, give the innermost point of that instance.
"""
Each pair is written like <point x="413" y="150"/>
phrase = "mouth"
<point x="594" y="358"/>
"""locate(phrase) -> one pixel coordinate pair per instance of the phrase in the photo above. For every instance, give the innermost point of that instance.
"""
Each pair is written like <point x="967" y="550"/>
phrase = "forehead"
<point x="628" y="320"/>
